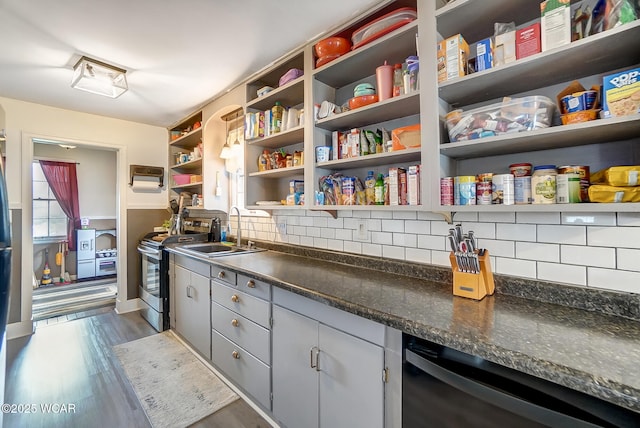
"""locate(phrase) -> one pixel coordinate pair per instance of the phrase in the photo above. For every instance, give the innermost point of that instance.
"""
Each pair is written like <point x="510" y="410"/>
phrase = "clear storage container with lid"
<point x="543" y="184"/>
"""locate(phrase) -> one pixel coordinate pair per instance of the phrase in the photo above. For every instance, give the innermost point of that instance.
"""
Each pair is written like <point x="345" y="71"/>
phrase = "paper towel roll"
<point x="143" y="184"/>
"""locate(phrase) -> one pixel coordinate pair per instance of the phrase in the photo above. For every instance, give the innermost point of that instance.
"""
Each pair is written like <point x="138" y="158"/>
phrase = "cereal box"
<point x="555" y="23"/>
<point x="504" y="51"/>
<point x="453" y="54"/>
<point x="528" y="41"/>
<point x="621" y="93"/>
<point x="484" y="54"/>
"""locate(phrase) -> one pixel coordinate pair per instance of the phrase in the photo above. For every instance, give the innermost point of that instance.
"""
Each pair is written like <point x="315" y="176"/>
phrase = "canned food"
<point x="464" y="192"/>
<point x="446" y="191"/>
<point x="584" y="173"/>
<point x="568" y="188"/>
<point x="543" y="184"/>
<point x="484" y="193"/>
<point x="503" y="189"/>
<point x="485" y="177"/>
<point x="522" y="190"/>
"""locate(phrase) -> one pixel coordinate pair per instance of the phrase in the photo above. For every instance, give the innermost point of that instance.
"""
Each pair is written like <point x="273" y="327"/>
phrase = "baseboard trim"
<point x="124" y="306"/>
<point x="19" y="329"/>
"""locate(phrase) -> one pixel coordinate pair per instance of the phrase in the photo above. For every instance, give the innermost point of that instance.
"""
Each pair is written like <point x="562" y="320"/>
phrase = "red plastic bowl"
<point x="361" y="101"/>
<point x="332" y="46"/>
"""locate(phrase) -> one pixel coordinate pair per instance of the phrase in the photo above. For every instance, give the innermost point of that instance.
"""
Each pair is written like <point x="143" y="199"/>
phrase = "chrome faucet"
<point x="239" y="237"/>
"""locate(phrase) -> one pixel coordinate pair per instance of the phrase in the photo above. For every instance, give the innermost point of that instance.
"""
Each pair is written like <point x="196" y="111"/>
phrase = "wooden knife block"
<point x="473" y="285"/>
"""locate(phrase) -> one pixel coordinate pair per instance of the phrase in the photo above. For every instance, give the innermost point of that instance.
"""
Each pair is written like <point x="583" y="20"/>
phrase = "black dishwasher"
<point x="442" y="387"/>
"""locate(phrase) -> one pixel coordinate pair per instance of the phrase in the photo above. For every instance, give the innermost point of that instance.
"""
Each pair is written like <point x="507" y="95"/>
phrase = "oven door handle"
<point x="493" y="396"/>
<point x="155" y="254"/>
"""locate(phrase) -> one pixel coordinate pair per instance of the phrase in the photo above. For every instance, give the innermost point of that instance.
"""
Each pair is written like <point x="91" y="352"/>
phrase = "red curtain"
<point x="63" y="182"/>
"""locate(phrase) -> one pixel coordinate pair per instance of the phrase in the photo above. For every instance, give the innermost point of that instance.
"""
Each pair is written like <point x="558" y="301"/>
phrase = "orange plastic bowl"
<point x="361" y="101"/>
<point x="332" y="46"/>
<point x="579" y="116"/>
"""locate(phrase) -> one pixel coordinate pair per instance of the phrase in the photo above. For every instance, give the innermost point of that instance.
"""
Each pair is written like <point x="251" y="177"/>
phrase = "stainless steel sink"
<point x="214" y="249"/>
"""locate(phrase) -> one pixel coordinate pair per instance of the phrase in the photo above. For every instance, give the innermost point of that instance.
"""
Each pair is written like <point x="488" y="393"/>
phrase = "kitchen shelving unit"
<point x="599" y="144"/>
<point x="273" y="184"/>
<point x="335" y="82"/>
<point x="186" y="143"/>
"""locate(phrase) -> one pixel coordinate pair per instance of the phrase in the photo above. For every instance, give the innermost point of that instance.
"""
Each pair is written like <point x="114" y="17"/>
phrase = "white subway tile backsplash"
<point x="418" y="255"/>
<point x="516" y="232"/>
<point x="501" y="217"/>
<point x="628" y="219"/>
<point x="498" y="248"/>
<point x="581" y="249"/>
<point x="391" y="252"/>
<point x="589" y="219"/>
<point x="515" y="267"/>
<point x="320" y="243"/>
<point x="624" y="237"/>
<point x="382" y="238"/>
<point x="432" y="242"/>
<point x="569" y="274"/>
<point x="393" y="226"/>
<point x="382" y="214"/>
<point x="628" y="259"/>
<point x="440" y="258"/>
<point x="538" y="218"/>
<point x="588" y="256"/>
<point x="405" y="215"/>
<point x="353" y="247"/>
<point x="405" y="240"/>
<point x="373" y="250"/>
<point x="417" y="226"/>
<point x="576" y="235"/>
<point x="538" y="251"/>
<point x="481" y="230"/>
<point x="612" y="279"/>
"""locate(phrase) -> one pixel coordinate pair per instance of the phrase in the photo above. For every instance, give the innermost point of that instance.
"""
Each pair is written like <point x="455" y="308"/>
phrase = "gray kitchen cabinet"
<point x="240" y="332"/>
<point x="323" y="377"/>
<point x="191" y="307"/>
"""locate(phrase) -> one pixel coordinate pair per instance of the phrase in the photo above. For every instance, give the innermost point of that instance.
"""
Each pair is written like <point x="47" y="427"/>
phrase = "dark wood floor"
<point x="72" y="363"/>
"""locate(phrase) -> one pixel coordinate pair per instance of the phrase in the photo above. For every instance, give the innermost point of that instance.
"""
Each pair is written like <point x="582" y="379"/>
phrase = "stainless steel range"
<point x="154" y="286"/>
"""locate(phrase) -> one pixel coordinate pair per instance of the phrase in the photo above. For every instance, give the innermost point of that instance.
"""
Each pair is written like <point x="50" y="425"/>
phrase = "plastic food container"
<point x="510" y="116"/>
<point x="579" y="116"/>
<point x="361" y="101"/>
<point x="383" y="25"/>
<point x="290" y="75"/>
<point x="182" y="179"/>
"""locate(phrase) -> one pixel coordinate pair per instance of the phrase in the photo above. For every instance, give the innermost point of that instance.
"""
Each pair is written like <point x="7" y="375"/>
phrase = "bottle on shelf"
<point x="369" y="188"/>
<point x="398" y="86"/>
<point x="379" y="190"/>
<point x="277" y="112"/>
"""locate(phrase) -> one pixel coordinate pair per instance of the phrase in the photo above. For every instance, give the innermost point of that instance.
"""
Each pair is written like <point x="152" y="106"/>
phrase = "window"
<point x="49" y="221"/>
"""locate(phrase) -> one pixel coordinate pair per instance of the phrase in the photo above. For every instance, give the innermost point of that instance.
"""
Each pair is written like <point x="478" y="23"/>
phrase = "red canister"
<point x="446" y="191"/>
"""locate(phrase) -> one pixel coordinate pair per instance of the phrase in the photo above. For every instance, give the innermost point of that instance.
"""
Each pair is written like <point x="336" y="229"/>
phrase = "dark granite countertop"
<point x="592" y="352"/>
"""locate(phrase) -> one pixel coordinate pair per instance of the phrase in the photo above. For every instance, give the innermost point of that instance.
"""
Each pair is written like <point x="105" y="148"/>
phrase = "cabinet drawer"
<point x="245" y="370"/>
<point x="238" y="329"/>
<point x="193" y="265"/>
<point x="255" y="287"/>
<point x="223" y="275"/>
<point x="257" y="310"/>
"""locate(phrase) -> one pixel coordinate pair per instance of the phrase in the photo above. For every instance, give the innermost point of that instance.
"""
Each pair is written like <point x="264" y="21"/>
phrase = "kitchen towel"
<point x="174" y="388"/>
<point x="146" y="185"/>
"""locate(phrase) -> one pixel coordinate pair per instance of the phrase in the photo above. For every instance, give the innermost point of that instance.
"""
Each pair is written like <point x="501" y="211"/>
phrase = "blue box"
<point x="484" y="54"/>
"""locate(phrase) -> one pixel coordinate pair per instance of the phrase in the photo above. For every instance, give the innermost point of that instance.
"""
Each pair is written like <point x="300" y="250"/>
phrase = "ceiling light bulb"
<point x="226" y="152"/>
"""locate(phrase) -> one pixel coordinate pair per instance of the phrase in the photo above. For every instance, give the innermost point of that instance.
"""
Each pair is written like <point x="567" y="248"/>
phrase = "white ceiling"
<point x="178" y="53"/>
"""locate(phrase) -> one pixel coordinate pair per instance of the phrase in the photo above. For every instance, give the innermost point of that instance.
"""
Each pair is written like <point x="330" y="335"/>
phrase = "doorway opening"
<point x="74" y="270"/>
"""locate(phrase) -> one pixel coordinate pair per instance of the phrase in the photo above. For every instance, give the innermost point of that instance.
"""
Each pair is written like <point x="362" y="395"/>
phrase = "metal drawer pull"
<point x="236" y="355"/>
<point x="221" y="274"/>
<point x="234" y="322"/>
<point x="316" y="365"/>
<point x="189" y="291"/>
<point x="251" y="283"/>
<point x="235" y="298"/>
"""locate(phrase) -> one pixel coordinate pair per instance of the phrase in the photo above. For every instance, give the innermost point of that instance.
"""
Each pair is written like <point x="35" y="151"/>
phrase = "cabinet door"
<point x="295" y="382"/>
<point x="192" y="309"/>
<point x="351" y="386"/>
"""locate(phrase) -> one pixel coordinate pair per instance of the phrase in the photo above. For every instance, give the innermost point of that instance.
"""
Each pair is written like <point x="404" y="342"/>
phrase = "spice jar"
<point x="543" y="184"/>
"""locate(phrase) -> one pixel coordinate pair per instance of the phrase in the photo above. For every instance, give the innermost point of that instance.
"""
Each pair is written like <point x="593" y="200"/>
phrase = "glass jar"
<point x="543" y="184"/>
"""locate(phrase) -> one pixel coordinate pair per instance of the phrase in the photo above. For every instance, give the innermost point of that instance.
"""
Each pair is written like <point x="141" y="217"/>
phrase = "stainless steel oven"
<point x="154" y="273"/>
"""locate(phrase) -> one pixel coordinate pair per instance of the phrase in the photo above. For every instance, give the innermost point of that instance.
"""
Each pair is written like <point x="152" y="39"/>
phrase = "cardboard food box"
<point x="484" y="54"/>
<point x="453" y="54"/>
<point x="504" y="51"/>
<point x="555" y="23"/>
<point x="621" y="93"/>
<point x="528" y="41"/>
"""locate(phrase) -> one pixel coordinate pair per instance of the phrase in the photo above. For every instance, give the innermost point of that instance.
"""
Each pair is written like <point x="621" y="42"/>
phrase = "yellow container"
<point x="618" y="176"/>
